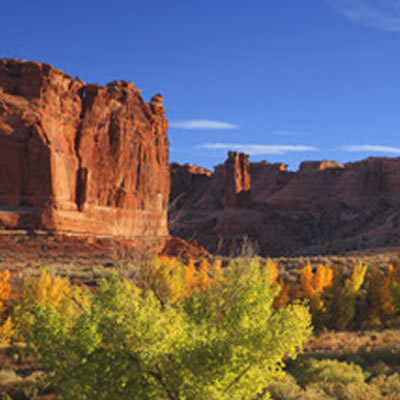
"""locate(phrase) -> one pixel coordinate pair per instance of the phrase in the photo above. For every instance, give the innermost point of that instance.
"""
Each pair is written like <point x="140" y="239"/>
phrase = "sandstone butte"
<point x="324" y="207"/>
<point x="82" y="159"/>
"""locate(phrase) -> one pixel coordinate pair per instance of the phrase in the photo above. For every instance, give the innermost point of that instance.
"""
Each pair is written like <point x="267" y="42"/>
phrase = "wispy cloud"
<point x="202" y="124"/>
<point x="381" y="14"/>
<point x="370" y="148"/>
<point x="258" y="149"/>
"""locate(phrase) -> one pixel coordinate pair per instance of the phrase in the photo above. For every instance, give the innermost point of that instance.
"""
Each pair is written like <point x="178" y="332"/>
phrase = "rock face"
<point x="237" y="180"/>
<point x="325" y="207"/>
<point x="184" y="177"/>
<point x="81" y="158"/>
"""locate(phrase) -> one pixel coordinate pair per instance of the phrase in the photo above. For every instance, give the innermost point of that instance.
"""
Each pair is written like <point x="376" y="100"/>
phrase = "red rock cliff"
<point x="81" y="158"/>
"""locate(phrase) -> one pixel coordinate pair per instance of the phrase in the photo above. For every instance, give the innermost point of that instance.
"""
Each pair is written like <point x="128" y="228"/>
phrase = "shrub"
<point x="310" y="370"/>
<point x="336" y="379"/>
<point x="288" y="389"/>
<point x="223" y="342"/>
<point x="388" y="385"/>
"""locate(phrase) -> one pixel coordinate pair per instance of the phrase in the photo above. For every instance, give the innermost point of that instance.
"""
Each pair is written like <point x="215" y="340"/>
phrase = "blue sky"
<point x="283" y="80"/>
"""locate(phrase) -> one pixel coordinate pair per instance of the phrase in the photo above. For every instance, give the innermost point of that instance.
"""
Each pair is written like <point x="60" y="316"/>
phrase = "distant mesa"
<point x="81" y="159"/>
<point x="324" y="207"/>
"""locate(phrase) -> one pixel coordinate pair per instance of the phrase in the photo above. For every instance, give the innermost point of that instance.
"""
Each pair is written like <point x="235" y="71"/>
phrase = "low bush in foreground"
<point x="313" y="379"/>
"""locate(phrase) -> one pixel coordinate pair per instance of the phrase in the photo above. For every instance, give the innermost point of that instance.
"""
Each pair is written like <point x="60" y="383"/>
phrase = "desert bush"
<point x="389" y="385"/>
<point x="336" y="379"/>
<point x="311" y="370"/>
<point x="288" y="389"/>
<point x="312" y="379"/>
<point x="223" y="341"/>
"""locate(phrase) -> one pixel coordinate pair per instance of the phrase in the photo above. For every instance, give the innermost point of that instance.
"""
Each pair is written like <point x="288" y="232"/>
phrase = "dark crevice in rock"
<point x="81" y="173"/>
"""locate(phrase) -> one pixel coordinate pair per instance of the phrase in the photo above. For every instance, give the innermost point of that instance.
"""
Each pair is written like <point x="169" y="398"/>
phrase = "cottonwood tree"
<point x="224" y="342"/>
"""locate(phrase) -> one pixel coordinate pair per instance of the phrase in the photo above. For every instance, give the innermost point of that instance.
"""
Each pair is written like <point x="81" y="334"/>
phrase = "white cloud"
<point x="202" y="124"/>
<point x="381" y="14"/>
<point x="258" y="149"/>
<point x="371" y="148"/>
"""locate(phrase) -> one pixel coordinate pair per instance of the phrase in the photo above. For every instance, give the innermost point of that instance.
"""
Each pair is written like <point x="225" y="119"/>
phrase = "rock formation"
<point x="237" y="180"/>
<point x="78" y="158"/>
<point x="184" y="177"/>
<point x="325" y="207"/>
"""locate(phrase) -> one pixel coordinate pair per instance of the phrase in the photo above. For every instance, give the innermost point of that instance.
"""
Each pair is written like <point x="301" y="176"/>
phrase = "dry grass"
<point x="344" y="342"/>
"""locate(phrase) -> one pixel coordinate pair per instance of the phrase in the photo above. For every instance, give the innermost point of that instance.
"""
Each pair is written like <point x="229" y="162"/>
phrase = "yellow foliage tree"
<point x="166" y="276"/>
<point x="217" y="273"/>
<point x="378" y="307"/>
<point x="387" y="305"/>
<point x="203" y="280"/>
<point x="5" y="290"/>
<point x="355" y="281"/>
<point x="283" y="298"/>
<point x="47" y="290"/>
<point x="273" y="266"/>
<point x="6" y="331"/>
<point x="172" y="280"/>
<point x="6" y="325"/>
<point x="343" y="297"/>
<point x="190" y="278"/>
<point x="314" y="287"/>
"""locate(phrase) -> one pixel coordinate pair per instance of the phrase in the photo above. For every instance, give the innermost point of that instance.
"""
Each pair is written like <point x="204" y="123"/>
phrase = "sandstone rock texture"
<point x="237" y="180"/>
<point x="79" y="158"/>
<point x="324" y="207"/>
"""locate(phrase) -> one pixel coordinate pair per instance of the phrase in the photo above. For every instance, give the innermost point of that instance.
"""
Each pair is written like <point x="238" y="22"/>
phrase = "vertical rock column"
<point x="237" y="181"/>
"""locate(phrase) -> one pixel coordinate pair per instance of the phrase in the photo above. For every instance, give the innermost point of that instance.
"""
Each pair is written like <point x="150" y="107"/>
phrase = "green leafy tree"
<point x="225" y="342"/>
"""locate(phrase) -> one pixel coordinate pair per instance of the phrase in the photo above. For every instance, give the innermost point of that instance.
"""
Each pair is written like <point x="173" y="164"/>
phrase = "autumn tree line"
<point x="368" y="297"/>
<point x="188" y="330"/>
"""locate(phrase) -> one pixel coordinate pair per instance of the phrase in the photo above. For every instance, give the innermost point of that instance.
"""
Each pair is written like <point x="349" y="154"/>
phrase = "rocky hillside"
<point x="324" y="207"/>
<point x="79" y="158"/>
